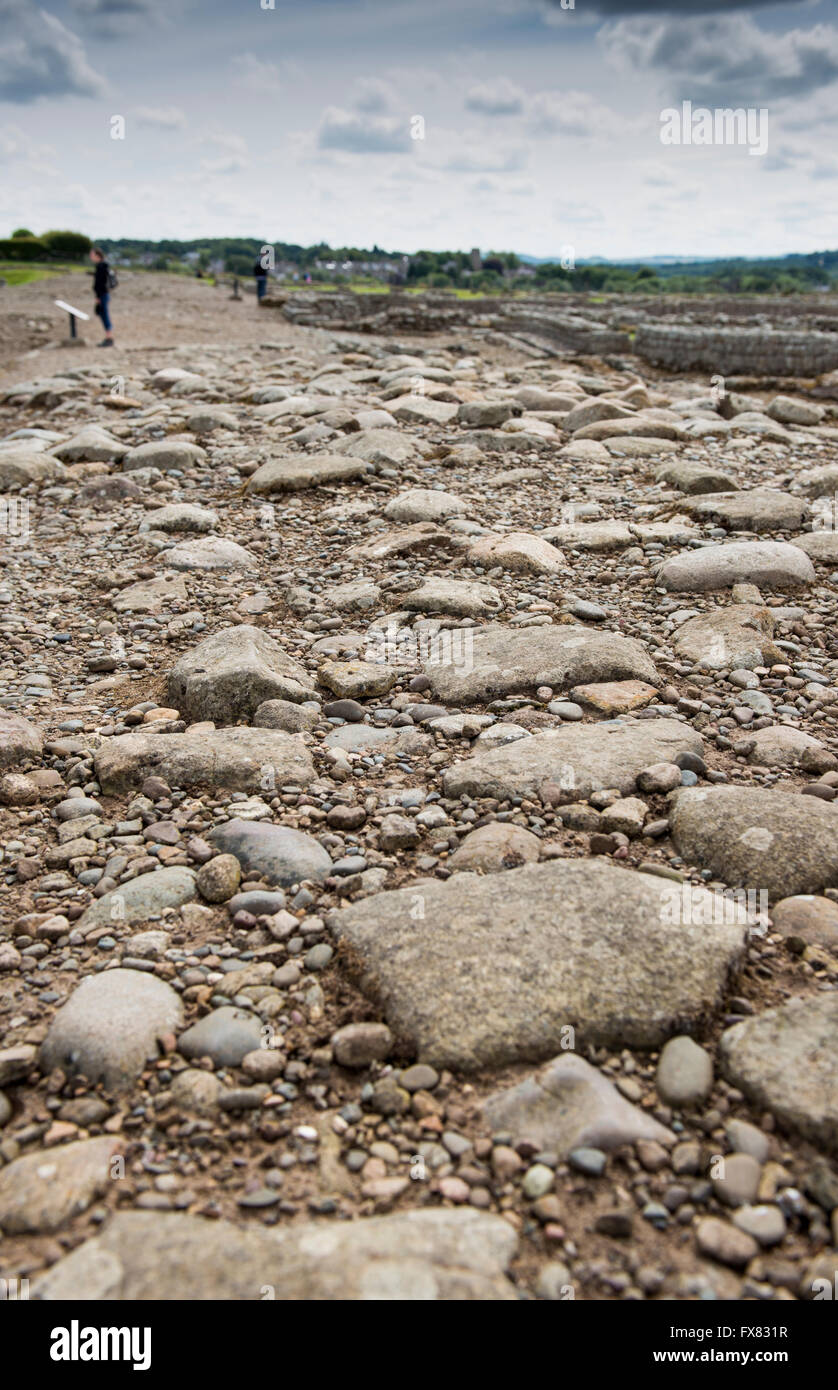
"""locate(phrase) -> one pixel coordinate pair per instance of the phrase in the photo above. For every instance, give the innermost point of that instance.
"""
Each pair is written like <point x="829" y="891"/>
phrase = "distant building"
<point x="476" y="258"/>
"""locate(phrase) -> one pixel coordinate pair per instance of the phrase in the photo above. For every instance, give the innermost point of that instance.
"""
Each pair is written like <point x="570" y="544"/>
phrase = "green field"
<point x="22" y="272"/>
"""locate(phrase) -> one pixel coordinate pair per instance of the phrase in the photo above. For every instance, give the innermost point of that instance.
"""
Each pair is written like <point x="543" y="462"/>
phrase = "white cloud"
<point x="256" y="74"/>
<point x="373" y="96"/>
<point x="163" y="117"/>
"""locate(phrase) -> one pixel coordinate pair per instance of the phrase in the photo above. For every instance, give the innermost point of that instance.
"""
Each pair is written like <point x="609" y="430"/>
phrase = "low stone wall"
<point x="765" y="352"/>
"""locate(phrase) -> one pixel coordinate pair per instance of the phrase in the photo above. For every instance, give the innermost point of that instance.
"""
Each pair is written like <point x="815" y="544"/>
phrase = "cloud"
<point x="39" y="57"/>
<point x="232" y="157"/>
<point x="575" y="114"/>
<point x="16" y="144"/>
<point x="163" y="117"/>
<point x="726" y="58"/>
<point x="362" y="134"/>
<point x="483" y="157"/>
<point x="679" y="7"/>
<point x="373" y="95"/>
<point x="255" y="74"/>
<point x="499" y="98"/>
<point x="110" y="19"/>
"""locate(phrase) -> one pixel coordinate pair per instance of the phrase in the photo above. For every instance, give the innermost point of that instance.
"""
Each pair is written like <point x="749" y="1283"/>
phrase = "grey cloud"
<point x="723" y="59"/>
<point x="362" y="134"/>
<point x="373" y="96"/>
<point x="679" y="7"/>
<point x="40" y="57"/>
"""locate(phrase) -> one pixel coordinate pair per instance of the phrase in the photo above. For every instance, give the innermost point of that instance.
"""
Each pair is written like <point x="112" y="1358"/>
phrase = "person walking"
<point x="261" y="273"/>
<point x="102" y="291"/>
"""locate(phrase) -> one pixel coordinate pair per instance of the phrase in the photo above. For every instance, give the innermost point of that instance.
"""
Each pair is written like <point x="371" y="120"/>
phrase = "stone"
<point x="179" y="516"/>
<point x="424" y="504"/>
<point x="517" y="551"/>
<point x="622" y="977"/>
<point x="357" y="1045"/>
<point x="20" y="741"/>
<point x="292" y="474"/>
<point x="810" y="919"/>
<point x="781" y="745"/>
<point x="693" y="477"/>
<point x="723" y="1242"/>
<point x="495" y="846"/>
<point x="147" y="895"/>
<point x="230" y="674"/>
<point x="569" y="763"/>
<point x="110" y="1027"/>
<point x="757" y="509"/>
<point x="210" y="553"/>
<point x="16" y="1062"/>
<point x="820" y="546"/>
<point x="420" y="1255"/>
<point x="239" y="759"/>
<point x="23" y="468"/>
<point x="568" y="1105"/>
<point x="151" y="595"/>
<point x="355" y="680"/>
<point x="281" y="855"/>
<point x="793" y="412"/>
<point x="758" y="838"/>
<point x="786" y="1061"/>
<point x="737" y="1182"/>
<point x="458" y="597"/>
<point x="769" y="564"/>
<point x="684" y="1077"/>
<point x="41" y="1191"/>
<point x="422" y="410"/>
<point x="385" y="545"/>
<point x="358" y="596"/>
<point x="766" y="1224"/>
<point x="739" y="636"/>
<point x="615" y="697"/>
<point x="164" y="454"/>
<point x="196" y="1090"/>
<point x="497" y="660"/>
<point x="218" y="880"/>
<point x="92" y="444"/>
<point x="285" y="715"/>
<point x="226" y="1035"/>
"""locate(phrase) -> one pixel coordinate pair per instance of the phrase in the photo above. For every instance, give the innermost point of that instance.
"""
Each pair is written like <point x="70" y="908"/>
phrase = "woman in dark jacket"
<point x="101" y="289"/>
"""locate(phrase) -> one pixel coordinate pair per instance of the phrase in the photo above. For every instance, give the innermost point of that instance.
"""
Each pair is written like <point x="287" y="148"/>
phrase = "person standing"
<point x="261" y="274"/>
<point x="102" y="291"/>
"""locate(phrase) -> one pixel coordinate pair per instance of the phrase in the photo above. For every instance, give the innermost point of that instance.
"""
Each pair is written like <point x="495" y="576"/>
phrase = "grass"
<point x="24" y="272"/>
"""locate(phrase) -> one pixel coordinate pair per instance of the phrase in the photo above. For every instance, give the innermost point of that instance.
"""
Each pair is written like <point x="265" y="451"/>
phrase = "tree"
<point x="22" y="231"/>
<point x="67" y="246"/>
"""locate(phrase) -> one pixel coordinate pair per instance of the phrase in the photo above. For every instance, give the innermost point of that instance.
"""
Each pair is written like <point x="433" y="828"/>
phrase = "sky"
<point x="511" y="125"/>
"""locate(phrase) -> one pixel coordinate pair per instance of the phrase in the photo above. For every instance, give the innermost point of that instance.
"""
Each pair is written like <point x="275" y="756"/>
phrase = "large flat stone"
<point x="768" y="564"/>
<point x="821" y="546"/>
<point x="20" y="468"/>
<point x="239" y="760"/>
<point x="279" y="853"/>
<point x="786" y="1061"/>
<point x="42" y="1190"/>
<point x="20" y="741"/>
<point x="499" y="660"/>
<point x="164" y="454"/>
<point x="495" y="968"/>
<point x="292" y="474"/>
<point x="568" y="763"/>
<point x="758" y="838"/>
<point x="92" y="444"/>
<point x="518" y="551"/>
<point x="228" y="675"/>
<point x="738" y="637"/>
<point x="210" y="553"/>
<point x="758" y="509"/>
<point x="110" y="1026"/>
<point x="424" y="504"/>
<point x="142" y="897"/>
<point x="692" y="478"/>
<point x="458" y="597"/>
<point x="414" y="1256"/>
<point x="151" y="595"/>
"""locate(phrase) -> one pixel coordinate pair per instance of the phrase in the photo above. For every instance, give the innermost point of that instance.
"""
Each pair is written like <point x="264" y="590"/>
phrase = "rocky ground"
<point x="418" y="826"/>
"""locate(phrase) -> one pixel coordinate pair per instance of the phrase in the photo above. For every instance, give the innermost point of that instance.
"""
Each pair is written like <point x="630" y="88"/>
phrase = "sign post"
<point x="74" y="314"/>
